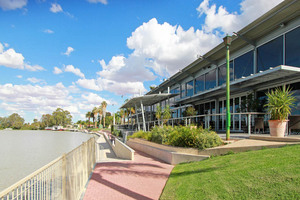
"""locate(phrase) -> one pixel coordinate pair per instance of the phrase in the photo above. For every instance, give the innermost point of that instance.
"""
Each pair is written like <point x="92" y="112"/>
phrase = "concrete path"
<point x="104" y="152"/>
<point x="143" y="179"/>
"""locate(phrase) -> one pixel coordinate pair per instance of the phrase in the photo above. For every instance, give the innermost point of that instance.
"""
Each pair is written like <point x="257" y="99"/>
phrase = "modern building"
<point x="263" y="55"/>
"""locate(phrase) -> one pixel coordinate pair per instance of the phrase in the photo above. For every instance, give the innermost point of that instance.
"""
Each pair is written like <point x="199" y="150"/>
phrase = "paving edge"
<point x="275" y="139"/>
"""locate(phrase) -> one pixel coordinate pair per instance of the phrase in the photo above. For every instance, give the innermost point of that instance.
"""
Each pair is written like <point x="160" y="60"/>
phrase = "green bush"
<point x="181" y="136"/>
<point x="117" y="133"/>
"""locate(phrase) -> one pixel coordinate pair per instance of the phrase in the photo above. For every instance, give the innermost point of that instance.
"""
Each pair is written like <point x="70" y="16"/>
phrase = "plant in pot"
<point x="280" y="102"/>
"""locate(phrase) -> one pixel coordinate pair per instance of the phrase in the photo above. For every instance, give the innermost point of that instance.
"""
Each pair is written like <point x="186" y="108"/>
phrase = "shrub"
<point x="181" y="136"/>
<point x="117" y="133"/>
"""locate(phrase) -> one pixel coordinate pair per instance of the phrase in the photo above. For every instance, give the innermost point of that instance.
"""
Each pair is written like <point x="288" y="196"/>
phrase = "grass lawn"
<point x="263" y="174"/>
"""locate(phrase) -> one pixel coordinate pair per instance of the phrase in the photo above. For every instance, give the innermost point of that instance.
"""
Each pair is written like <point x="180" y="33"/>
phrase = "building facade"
<point x="263" y="55"/>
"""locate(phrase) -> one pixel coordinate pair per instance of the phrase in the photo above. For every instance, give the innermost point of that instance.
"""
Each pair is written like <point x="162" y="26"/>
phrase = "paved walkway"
<point x="143" y="179"/>
<point x="104" y="152"/>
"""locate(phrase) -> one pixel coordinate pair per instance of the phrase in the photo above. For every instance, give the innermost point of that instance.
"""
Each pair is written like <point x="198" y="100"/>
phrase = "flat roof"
<point x="147" y="100"/>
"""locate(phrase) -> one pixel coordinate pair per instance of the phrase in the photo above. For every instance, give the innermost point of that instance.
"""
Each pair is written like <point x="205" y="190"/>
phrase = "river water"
<point x="23" y="152"/>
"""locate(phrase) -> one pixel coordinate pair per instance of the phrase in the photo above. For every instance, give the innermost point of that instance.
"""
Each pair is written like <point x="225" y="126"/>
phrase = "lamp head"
<point x="227" y="40"/>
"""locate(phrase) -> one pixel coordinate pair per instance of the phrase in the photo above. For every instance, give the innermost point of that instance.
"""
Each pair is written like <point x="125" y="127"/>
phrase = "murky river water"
<point x="23" y="152"/>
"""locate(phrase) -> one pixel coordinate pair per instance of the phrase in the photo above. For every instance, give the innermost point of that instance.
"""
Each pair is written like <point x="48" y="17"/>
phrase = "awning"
<point x="147" y="100"/>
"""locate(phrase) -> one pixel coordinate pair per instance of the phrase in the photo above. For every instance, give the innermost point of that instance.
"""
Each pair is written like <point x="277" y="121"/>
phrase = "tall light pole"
<point x="227" y="42"/>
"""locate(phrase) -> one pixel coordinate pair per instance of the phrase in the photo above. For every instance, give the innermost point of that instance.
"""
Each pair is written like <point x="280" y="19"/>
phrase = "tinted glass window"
<point x="270" y="54"/>
<point x="292" y="49"/>
<point x="189" y="88"/>
<point x="199" y="84"/>
<point x="222" y="73"/>
<point x="210" y="80"/>
<point x="183" y="90"/>
<point x="243" y="65"/>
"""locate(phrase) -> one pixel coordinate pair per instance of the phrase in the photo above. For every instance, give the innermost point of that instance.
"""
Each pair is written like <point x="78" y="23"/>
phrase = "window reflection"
<point x="189" y="88"/>
<point x="222" y="73"/>
<point x="199" y="84"/>
<point x="243" y="65"/>
<point x="210" y="80"/>
<point x="292" y="43"/>
<point x="270" y="54"/>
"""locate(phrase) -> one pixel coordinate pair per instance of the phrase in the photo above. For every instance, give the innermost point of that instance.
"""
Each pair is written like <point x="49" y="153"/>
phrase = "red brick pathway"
<point x="142" y="179"/>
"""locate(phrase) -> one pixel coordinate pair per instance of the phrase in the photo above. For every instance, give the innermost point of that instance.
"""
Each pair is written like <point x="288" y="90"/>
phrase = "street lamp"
<point x="227" y="42"/>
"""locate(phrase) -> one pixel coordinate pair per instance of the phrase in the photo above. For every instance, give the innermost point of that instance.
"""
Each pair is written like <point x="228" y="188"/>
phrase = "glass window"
<point x="182" y="94"/>
<point x="292" y="49"/>
<point x="243" y="65"/>
<point x="210" y="80"/>
<point x="199" y="84"/>
<point x="189" y="88"/>
<point x="270" y="54"/>
<point x="222" y="73"/>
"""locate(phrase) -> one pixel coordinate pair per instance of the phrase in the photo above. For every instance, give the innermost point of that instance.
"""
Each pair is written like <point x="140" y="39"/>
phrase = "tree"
<point x="167" y="114"/>
<point x="47" y="120"/>
<point x="100" y="114"/>
<point x="89" y="115"/>
<point x="158" y="113"/>
<point x="15" y="121"/>
<point x="190" y="111"/>
<point x="61" y="117"/>
<point x="104" y="105"/>
<point x="122" y="114"/>
<point x="95" y="111"/>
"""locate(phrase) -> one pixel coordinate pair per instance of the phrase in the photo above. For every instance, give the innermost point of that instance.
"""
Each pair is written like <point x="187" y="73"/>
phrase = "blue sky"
<point x="76" y="54"/>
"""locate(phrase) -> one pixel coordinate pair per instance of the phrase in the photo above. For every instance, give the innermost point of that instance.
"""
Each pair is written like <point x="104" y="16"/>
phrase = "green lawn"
<point x="263" y="174"/>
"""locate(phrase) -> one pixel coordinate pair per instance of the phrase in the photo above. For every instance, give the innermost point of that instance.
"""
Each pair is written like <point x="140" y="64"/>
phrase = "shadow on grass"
<point x="198" y="171"/>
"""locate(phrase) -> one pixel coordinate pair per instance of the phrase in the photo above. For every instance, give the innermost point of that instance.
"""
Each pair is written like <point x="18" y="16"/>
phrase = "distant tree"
<point x="100" y="114"/>
<point x="89" y="115"/>
<point x="61" y="117"/>
<point x="190" y="111"/>
<point x="15" y="121"/>
<point x="95" y="112"/>
<point x="46" y="120"/>
<point x="152" y="87"/>
<point x="104" y="105"/>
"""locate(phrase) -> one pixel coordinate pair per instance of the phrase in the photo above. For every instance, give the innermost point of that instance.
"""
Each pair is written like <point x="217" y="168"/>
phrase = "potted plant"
<point x="280" y="102"/>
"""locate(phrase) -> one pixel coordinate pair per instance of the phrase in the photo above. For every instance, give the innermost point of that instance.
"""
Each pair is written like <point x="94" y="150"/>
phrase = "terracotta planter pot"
<point x="277" y="127"/>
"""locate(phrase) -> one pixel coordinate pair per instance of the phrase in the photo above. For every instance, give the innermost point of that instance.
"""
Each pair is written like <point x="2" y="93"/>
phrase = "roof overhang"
<point x="147" y="100"/>
<point x="278" y="75"/>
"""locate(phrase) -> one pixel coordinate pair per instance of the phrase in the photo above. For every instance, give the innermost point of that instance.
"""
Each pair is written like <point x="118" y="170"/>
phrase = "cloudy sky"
<point x="76" y="54"/>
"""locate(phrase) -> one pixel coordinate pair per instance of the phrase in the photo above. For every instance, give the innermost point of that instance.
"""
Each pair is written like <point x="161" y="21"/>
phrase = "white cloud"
<point x="72" y="69"/>
<point x="220" y="18"/>
<point x="48" y="31"/>
<point x="90" y="84"/>
<point x="69" y="51"/>
<point x="169" y="48"/>
<point x="98" y="1"/>
<point x="10" y="58"/>
<point x="119" y="88"/>
<point x="35" y="80"/>
<point x="57" y="70"/>
<point x="12" y="4"/>
<point x="93" y="98"/>
<point x="19" y="76"/>
<point x="55" y="8"/>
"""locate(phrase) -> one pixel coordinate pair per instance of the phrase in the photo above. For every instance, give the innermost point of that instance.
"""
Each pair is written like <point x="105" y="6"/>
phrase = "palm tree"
<point x="95" y="111"/>
<point x="158" y="113"/>
<point x="166" y="114"/>
<point x="100" y="113"/>
<point x="89" y="115"/>
<point x="122" y="113"/>
<point x="104" y="105"/>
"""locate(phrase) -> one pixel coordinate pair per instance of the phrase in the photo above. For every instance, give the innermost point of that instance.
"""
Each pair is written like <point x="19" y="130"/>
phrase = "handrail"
<point x="30" y="176"/>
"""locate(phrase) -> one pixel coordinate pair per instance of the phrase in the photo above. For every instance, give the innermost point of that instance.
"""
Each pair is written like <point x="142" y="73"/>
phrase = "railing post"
<point x="249" y="124"/>
<point x="64" y="177"/>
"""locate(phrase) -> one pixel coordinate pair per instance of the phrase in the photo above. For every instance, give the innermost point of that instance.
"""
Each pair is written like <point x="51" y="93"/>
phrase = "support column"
<point x="137" y="118"/>
<point x="144" y="123"/>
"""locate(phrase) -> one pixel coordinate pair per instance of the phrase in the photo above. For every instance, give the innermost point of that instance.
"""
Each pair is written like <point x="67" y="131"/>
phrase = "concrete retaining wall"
<point x="120" y="149"/>
<point x="168" y="156"/>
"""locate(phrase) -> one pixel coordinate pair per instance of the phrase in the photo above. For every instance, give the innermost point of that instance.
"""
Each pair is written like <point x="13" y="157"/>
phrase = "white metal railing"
<point x="245" y="121"/>
<point x="63" y="178"/>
